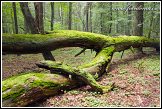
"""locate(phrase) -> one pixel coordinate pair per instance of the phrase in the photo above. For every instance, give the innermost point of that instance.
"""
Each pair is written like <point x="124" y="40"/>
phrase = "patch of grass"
<point x="150" y="63"/>
<point x="131" y="80"/>
<point x="141" y="80"/>
<point x="123" y="71"/>
<point x="117" y="55"/>
<point x="146" y="92"/>
<point x="74" y="92"/>
<point x="91" y="101"/>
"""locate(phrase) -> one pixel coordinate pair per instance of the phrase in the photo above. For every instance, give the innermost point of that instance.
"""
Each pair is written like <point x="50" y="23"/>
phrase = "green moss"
<point x="17" y="85"/>
<point x="26" y="38"/>
<point x="14" y="92"/>
<point x="54" y="34"/>
<point x="103" y="56"/>
<point x="135" y="39"/>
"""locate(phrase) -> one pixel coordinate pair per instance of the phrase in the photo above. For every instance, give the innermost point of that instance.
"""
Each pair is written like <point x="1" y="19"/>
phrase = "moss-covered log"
<point x="23" y="89"/>
<point x="36" y="43"/>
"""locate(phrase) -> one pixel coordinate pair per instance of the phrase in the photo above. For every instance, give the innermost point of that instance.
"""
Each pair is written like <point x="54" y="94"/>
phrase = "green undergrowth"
<point x="150" y="65"/>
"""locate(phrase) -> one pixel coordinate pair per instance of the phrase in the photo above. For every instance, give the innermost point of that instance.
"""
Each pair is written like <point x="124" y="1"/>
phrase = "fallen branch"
<point x="83" y="50"/>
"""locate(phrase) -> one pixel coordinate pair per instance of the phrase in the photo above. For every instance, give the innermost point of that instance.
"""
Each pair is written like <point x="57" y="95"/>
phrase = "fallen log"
<point x="37" y="43"/>
<point x="26" y="88"/>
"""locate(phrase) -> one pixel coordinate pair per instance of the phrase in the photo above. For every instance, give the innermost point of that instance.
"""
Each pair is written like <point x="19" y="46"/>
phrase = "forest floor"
<point x="136" y="77"/>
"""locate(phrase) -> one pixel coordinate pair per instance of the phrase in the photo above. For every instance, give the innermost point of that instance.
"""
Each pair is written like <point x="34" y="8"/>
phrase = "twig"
<point x="80" y="52"/>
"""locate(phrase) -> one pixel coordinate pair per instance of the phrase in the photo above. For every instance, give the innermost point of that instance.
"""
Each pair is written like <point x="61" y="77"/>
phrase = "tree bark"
<point x="52" y="15"/>
<point x="28" y="17"/>
<point x="110" y="18"/>
<point x="117" y="24"/>
<point x="129" y="24"/>
<point x="90" y="16"/>
<point x="15" y="17"/>
<point x="138" y="27"/>
<point x="70" y="16"/>
<point x="26" y="88"/>
<point x="87" y="15"/>
<point x="61" y="14"/>
<point x="151" y="21"/>
<point x="39" y="16"/>
<point x="26" y="27"/>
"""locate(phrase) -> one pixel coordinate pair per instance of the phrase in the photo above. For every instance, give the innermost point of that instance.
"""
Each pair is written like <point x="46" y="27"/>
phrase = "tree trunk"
<point x="117" y="24"/>
<point x="101" y="23"/>
<point x="28" y="17"/>
<point x="61" y="14"/>
<point x="26" y="27"/>
<point x="138" y="27"/>
<point x="39" y="16"/>
<point x="26" y="88"/>
<point x="15" y="17"/>
<point x="70" y="16"/>
<point x="151" y="21"/>
<point x="79" y="14"/>
<point x="110" y="18"/>
<point x="12" y="23"/>
<point x="52" y="15"/>
<point x="90" y="16"/>
<point x="44" y="11"/>
<point x="129" y="24"/>
<point x="36" y="25"/>
<point x="87" y="15"/>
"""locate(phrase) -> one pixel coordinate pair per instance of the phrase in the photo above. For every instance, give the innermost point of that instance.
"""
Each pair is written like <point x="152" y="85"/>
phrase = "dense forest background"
<point x="109" y="18"/>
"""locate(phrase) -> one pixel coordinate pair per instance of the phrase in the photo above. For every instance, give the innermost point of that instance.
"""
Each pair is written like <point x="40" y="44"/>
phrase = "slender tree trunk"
<point x="12" y="23"/>
<point x="110" y="18"/>
<point x="101" y="19"/>
<point x="90" y="21"/>
<point x="117" y="16"/>
<point x="129" y="24"/>
<point x="52" y="15"/>
<point x="61" y="14"/>
<point x="15" y="17"/>
<point x="151" y="21"/>
<point x="70" y="16"/>
<point x="87" y="15"/>
<point x="101" y="22"/>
